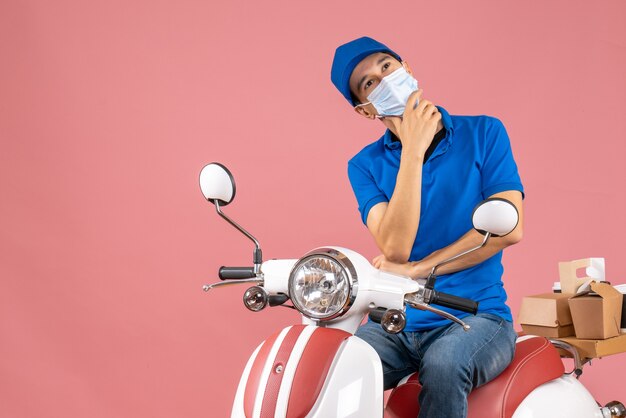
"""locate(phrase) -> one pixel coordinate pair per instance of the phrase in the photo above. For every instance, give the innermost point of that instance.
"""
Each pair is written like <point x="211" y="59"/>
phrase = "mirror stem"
<point x="451" y="259"/>
<point x="258" y="257"/>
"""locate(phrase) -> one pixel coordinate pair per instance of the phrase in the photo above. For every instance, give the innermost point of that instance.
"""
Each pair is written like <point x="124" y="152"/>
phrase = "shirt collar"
<point x="388" y="137"/>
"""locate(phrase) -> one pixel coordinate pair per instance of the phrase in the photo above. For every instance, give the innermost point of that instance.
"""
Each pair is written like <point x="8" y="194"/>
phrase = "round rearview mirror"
<point x="217" y="183"/>
<point x="496" y="216"/>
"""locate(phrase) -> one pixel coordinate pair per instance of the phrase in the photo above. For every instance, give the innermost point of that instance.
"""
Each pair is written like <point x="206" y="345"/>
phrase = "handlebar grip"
<point x="454" y="302"/>
<point x="236" y="273"/>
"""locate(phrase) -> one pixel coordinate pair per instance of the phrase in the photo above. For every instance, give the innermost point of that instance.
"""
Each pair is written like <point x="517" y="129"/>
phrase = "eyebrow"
<point x="380" y="60"/>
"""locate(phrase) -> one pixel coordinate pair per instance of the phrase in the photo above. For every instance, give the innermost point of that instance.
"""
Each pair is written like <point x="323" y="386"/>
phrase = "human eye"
<point x="368" y="84"/>
<point x="386" y="65"/>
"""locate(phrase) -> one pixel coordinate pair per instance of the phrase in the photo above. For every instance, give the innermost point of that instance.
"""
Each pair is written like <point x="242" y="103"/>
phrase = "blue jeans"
<point x="450" y="361"/>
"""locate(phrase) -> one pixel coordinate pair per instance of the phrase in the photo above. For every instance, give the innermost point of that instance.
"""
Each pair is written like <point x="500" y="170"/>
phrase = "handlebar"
<point x="454" y="302"/>
<point x="236" y="273"/>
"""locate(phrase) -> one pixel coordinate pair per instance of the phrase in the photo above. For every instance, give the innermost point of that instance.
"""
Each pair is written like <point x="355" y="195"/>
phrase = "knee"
<point x="374" y="335"/>
<point x="370" y="332"/>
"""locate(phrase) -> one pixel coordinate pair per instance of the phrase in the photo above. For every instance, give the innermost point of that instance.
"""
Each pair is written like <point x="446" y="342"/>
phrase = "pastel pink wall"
<point x="108" y="110"/>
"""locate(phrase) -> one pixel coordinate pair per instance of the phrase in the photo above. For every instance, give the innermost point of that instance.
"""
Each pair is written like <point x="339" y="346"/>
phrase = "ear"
<point x="361" y="110"/>
<point x="407" y="67"/>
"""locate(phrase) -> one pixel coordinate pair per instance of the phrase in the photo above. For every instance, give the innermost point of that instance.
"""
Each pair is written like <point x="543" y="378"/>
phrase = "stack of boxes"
<point x="586" y="307"/>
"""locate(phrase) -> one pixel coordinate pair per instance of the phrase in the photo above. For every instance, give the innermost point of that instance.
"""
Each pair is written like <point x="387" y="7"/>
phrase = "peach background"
<point x="110" y="108"/>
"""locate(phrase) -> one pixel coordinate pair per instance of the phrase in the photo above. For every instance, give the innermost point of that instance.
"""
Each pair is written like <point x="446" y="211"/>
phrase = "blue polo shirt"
<point x="472" y="162"/>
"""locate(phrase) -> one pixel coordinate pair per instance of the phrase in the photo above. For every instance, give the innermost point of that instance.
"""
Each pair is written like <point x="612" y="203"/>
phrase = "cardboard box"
<point x="597" y="348"/>
<point x="568" y="273"/>
<point x="597" y="314"/>
<point x="547" y="314"/>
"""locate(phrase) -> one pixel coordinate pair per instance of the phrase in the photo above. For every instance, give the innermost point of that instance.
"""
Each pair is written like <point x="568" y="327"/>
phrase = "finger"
<point x="433" y="114"/>
<point x="429" y="107"/>
<point x="431" y="111"/>
<point x="423" y="105"/>
<point x="413" y="100"/>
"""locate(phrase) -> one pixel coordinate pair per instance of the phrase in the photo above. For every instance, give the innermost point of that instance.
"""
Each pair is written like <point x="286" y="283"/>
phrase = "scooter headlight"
<point x="323" y="284"/>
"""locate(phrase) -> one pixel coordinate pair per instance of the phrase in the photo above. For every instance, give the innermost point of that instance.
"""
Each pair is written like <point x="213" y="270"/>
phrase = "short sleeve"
<point x="365" y="189"/>
<point x="498" y="169"/>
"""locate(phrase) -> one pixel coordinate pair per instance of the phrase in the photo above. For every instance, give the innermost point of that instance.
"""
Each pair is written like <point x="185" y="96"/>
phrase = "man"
<point x="416" y="188"/>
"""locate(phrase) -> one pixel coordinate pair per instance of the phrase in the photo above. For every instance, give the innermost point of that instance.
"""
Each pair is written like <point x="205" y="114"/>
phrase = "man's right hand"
<point x="418" y="125"/>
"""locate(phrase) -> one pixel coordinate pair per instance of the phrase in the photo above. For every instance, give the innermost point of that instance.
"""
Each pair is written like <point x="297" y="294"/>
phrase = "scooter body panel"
<point x="562" y="397"/>
<point x="354" y="386"/>
<point x="351" y="386"/>
<point x="238" y="410"/>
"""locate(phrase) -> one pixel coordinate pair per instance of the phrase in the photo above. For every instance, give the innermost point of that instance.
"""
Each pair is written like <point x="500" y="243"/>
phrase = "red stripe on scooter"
<point x="254" y="378"/>
<point x="268" y="407"/>
<point x="313" y="367"/>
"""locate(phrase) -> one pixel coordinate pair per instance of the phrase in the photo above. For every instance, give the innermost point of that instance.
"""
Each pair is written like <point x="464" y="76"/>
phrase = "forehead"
<point x="368" y="65"/>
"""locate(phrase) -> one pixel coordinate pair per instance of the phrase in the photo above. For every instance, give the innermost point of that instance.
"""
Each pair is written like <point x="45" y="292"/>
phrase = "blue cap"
<point x="348" y="56"/>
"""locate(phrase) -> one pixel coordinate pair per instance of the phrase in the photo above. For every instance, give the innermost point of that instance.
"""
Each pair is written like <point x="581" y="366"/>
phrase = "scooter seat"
<point x="536" y="362"/>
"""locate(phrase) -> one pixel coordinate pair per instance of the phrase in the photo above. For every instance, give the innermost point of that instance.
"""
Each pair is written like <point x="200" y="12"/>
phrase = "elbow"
<point x="396" y="255"/>
<point x="514" y="237"/>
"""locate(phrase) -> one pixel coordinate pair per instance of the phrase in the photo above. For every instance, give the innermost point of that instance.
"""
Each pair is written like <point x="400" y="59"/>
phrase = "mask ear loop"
<point x="404" y="65"/>
<point x="365" y="104"/>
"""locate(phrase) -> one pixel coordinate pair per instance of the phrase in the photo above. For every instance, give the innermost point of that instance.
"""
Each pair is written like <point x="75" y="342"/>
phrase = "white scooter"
<point x="320" y="369"/>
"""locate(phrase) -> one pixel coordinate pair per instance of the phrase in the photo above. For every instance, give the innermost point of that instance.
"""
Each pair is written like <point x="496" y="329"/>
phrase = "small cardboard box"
<point x="547" y="315"/>
<point x="597" y="348"/>
<point x="597" y="313"/>
<point x="568" y="273"/>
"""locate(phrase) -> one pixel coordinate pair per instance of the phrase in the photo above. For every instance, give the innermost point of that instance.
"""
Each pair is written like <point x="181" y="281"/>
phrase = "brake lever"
<point x="208" y="287"/>
<point x="417" y="302"/>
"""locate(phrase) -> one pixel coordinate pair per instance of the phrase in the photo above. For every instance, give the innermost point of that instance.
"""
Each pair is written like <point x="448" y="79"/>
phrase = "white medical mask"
<point x="391" y="94"/>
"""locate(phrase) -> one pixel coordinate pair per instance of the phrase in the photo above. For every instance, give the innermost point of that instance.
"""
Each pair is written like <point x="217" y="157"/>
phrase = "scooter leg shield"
<point x="311" y="371"/>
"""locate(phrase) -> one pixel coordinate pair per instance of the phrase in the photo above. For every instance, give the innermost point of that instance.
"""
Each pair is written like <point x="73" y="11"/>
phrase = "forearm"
<point x="398" y="227"/>
<point x="395" y="226"/>
<point x="421" y="269"/>
<point x="471" y="239"/>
